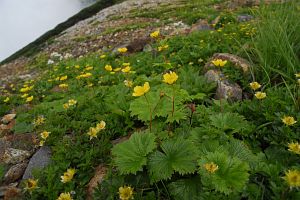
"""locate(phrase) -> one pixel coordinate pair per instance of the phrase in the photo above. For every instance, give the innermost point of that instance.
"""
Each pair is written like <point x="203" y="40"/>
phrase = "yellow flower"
<point x="170" y="77"/>
<point x="155" y="34"/>
<point x="126" y="193"/>
<point x="211" y="167"/>
<point x="68" y="175"/>
<point x="126" y="69"/>
<point x="29" y="99"/>
<point x="72" y="102"/>
<point x="31" y="184"/>
<point x="93" y="132"/>
<point x="65" y="196"/>
<point x="126" y="64"/>
<point x="128" y="83"/>
<point x="297" y="75"/>
<point x="63" y="78"/>
<point x="288" y="120"/>
<point x="117" y="69"/>
<point x="90" y="85"/>
<point x="24" y="95"/>
<point x="63" y="85"/>
<point x="103" y="56"/>
<point x="122" y="50"/>
<point x="86" y="75"/>
<point x="260" y="95"/>
<point x="292" y="177"/>
<point x="77" y="66"/>
<point x="42" y="142"/>
<point x="45" y="134"/>
<point x="6" y="100"/>
<point x="66" y="106"/>
<point x="39" y="120"/>
<point x="294" y="147"/>
<point x="108" y="68"/>
<point x="255" y="85"/>
<point x="164" y="47"/>
<point x="88" y="68"/>
<point x="101" y="125"/>
<point x="141" y="90"/>
<point x="219" y="62"/>
<point x="26" y="89"/>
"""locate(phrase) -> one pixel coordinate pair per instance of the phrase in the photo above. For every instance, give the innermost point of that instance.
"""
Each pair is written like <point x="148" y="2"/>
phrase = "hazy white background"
<point x="22" y="21"/>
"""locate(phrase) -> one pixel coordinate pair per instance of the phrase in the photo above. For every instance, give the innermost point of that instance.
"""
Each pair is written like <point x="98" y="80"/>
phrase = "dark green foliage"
<point x="177" y="155"/>
<point x="130" y="156"/>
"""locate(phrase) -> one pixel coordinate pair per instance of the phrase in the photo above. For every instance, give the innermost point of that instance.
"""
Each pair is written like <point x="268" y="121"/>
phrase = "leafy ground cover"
<point x="183" y="144"/>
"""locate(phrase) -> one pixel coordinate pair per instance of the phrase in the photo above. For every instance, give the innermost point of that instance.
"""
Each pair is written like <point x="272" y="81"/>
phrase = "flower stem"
<point x="150" y="123"/>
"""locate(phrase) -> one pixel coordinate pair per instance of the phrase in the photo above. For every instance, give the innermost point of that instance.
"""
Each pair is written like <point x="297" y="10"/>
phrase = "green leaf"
<point x="231" y="176"/>
<point x="177" y="155"/>
<point x="130" y="156"/>
<point x="142" y="105"/>
<point x="186" y="189"/>
<point x="231" y="122"/>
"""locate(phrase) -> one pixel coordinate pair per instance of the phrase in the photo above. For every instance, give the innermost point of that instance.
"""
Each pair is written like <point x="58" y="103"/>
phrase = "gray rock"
<point x="225" y="89"/>
<point x="39" y="160"/>
<point x="14" y="156"/>
<point x="244" y="18"/>
<point x="15" y="172"/>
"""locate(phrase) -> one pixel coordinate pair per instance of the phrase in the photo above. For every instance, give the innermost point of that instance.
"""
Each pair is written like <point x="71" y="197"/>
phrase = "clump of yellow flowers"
<point x="292" y="177"/>
<point x="68" y="175"/>
<point x="294" y="147"/>
<point x="141" y="90"/>
<point x="211" y="167"/>
<point x="84" y="75"/>
<point x="128" y="83"/>
<point x="288" y="120"/>
<point x="95" y="130"/>
<point x="39" y="120"/>
<point x="170" y="78"/>
<point x="122" y="50"/>
<point x="70" y="103"/>
<point x="6" y="100"/>
<point x="65" y="196"/>
<point x="219" y="62"/>
<point x="155" y="34"/>
<point x="126" y="193"/>
<point x="163" y="47"/>
<point x="44" y="135"/>
<point x="29" y="99"/>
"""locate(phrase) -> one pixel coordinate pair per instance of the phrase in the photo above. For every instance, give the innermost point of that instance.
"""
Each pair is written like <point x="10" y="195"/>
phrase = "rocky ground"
<point x="20" y="152"/>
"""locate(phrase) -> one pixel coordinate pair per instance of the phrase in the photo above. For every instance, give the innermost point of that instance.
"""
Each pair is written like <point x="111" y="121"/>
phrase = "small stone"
<point x="15" y="173"/>
<point x="244" y="18"/>
<point x="8" y="118"/>
<point x="201" y="25"/>
<point x="39" y="160"/>
<point x="14" y="156"/>
<point x="100" y="173"/>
